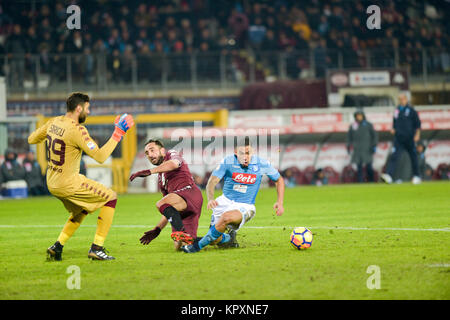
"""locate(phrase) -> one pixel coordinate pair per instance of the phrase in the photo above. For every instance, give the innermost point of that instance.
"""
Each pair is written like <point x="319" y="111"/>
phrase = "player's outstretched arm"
<point x="278" y="206"/>
<point x="150" y="235"/>
<point x="121" y="125"/>
<point x="164" y="167"/>
<point x="39" y="134"/>
<point x="210" y="187"/>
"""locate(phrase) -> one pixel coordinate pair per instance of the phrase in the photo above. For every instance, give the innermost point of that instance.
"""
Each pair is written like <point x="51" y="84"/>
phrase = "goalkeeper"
<point x="66" y="140"/>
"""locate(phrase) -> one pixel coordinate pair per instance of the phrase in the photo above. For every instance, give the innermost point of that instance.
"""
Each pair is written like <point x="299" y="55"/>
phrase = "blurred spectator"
<point x="207" y="64"/>
<point x="17" y="47"/>
<point x="362" y="140"/>
<point x="33" y="175"/>
<point x="75" y="43"/>
<point x="1" y="181"/>
<point x="59" y="64"/>
<point x="320" y="57"/>
<point x="443" y="171"/>
<point x="115" y="66"/>
<point x="324" y="26"/>
<point x="289" y="178"/>
<point x="269" y="42"/>
<point x="256" y="33"/>
<point x="238" y="23"/>
<point x="87" y="66"/>
<point x="330" y="29"/>
<point x="10" y="168"/>
<point x="319" y="178"/>
<point x="425" y="170"/>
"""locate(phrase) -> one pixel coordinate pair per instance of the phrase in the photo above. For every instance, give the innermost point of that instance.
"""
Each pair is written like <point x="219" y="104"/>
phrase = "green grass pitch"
<point x="404" y="230"/>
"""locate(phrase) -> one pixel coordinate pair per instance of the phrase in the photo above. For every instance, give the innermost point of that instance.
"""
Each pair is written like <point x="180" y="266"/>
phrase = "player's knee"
<point x="230" y="217"/>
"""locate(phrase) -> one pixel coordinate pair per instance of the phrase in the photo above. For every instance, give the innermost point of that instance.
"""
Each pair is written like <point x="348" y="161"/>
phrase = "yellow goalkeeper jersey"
<point x="65" y="142"/>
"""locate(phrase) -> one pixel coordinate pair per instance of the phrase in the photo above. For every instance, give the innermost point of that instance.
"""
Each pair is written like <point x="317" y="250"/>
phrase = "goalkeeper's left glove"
<point x="122" y="124"/>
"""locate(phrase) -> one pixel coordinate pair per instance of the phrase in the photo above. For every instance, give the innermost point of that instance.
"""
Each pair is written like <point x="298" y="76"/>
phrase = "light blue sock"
<point x="225" y="238"/>
<point x="211" y="236"/>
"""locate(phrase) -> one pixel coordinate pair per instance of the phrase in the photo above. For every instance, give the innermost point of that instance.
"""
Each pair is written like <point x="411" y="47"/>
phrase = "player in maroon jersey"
<point x="182" y="200"/>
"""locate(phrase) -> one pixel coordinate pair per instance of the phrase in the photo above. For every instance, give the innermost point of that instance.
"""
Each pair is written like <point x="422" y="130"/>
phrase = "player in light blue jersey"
<point x="242" y="173"/>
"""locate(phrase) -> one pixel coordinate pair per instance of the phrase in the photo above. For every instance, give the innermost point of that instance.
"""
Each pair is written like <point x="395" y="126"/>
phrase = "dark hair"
<point x="243" y="142"/>
<point x="158" y="142"/>
<point x="76" y="99"/>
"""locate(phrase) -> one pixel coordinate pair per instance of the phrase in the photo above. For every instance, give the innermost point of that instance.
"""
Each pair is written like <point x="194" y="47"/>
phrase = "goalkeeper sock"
<point x="173" y="216"/>
<point x="104" y="222"/>
<point x="70" y="227"/>
<point x="211" y="236"/>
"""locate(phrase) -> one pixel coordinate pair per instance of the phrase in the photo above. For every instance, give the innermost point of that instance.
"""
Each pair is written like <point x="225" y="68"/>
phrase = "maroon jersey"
<point x="175" y="180"/>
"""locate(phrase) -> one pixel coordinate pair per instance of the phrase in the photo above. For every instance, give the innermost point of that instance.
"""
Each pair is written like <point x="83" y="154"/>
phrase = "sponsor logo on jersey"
<point x="245" y="178"/>
<point x="91" y="145"/>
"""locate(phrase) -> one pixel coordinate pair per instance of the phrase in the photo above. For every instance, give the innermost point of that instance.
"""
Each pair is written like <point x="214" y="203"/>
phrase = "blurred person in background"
<point x="406" y="131"/>
<point x="289" y="178"/>
<point x="361" y="144"/>
<point x="33" y="175"/>
<point x="319" y="178"/>
<point x="11" y="168"/>
<point x="425" y="170"/>
<point x="17" y="48"/>
<point x="1" y="182"/>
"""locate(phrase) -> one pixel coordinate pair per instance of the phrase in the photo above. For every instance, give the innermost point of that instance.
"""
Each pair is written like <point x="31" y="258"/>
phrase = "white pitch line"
<point x="439" y="265"/>
<point x="247" y="227"/>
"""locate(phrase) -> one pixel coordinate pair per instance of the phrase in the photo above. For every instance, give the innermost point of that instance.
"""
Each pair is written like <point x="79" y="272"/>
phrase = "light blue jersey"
<point x="242" y="184"/>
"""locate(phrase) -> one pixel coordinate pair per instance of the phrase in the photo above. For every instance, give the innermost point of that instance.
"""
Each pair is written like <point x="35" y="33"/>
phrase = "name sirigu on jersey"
<point x="242" y="184"/>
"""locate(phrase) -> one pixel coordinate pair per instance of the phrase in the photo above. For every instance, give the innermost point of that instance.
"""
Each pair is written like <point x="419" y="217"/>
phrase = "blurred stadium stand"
<point x="182" y="56"/>
<point x="213" y="43"/>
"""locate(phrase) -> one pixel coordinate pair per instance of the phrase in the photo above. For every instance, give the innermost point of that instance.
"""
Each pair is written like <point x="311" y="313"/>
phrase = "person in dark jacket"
<point x="33" y="175"/>
<point x="10" y="168"/>
<point x="18" y="49"/>
<point x="362" y="141"/>
<point x="1" y="182"/>
<point x="406" y="131"/>
<point x="425" y="170"/>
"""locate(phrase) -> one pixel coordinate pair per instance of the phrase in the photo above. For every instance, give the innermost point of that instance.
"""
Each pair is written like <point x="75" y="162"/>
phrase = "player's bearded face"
<point x="154" y="154"/>
<point x="84" y="113"/>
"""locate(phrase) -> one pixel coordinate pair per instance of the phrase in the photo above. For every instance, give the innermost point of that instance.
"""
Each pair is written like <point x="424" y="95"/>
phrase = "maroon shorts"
<point x="190" y="216"/>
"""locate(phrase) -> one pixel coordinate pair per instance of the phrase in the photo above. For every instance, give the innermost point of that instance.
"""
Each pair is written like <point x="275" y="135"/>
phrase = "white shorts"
<point x="224" y="205"/>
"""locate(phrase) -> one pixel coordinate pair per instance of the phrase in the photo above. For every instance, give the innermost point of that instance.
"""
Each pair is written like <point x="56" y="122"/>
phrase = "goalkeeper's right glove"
<point x="122" y="124"/>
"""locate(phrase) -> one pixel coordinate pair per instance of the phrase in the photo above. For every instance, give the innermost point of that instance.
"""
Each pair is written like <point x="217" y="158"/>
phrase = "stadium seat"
<point x="442" y="172"/>
<point x="296" y="173"/>
<point x="331" y="174"/>
<point x="307" y="175"/>
<point x="349" y="174"/>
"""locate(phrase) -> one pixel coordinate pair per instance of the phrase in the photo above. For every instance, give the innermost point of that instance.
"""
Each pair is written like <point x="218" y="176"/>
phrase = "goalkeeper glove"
<point x="122" y="124"/>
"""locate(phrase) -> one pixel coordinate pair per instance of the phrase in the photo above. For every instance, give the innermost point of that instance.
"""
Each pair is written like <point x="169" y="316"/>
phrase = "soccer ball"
<point x="301" y="238"/>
